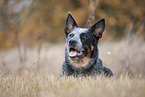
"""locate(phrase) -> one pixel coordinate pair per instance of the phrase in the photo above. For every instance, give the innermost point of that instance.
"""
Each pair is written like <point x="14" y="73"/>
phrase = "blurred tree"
<point x="30" y="21"/>
<point x="121" y="13"/>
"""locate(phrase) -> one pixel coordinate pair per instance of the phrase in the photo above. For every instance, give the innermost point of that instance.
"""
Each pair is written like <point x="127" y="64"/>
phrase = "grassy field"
<point x="38" y="74"/>
<point x="52" y="86"/>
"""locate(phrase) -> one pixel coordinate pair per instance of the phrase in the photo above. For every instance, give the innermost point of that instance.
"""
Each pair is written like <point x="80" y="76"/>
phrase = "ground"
<point x="54" y="86"/>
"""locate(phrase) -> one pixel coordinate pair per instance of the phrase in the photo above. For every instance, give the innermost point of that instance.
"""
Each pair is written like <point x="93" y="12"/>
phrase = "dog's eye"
<point x="71" y="35"/>
<point x="84" y="36"/>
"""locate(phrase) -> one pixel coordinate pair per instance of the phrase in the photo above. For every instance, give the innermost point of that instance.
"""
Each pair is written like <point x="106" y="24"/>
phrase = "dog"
<point x="81" y="50"/>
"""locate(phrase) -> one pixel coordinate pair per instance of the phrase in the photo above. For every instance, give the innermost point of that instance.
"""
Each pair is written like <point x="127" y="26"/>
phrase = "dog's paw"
<point x="107" y="72"/>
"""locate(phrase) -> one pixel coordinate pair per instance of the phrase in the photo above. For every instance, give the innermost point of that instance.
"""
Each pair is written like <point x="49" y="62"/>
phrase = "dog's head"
<point x="82" y="42"/>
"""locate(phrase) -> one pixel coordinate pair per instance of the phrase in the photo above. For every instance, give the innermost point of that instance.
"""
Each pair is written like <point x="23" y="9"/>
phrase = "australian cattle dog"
<point x="81" y="50"/>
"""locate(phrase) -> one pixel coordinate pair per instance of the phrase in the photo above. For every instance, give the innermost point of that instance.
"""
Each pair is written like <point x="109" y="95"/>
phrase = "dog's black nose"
<point x="72" y="42"/>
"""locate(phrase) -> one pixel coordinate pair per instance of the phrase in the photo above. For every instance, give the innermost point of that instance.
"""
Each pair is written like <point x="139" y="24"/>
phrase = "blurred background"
<point x="32" y="38"/>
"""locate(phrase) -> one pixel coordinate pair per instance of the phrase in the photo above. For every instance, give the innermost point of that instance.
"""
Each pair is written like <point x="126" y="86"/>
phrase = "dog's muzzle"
<point x="75" y="52"/>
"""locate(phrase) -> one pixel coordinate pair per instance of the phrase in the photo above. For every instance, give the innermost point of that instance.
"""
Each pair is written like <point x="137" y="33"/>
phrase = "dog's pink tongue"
<point x="72" y="53"/>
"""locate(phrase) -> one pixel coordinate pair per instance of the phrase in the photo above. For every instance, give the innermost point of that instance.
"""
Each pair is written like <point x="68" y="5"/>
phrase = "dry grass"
<point x="126" y="56"/>
<point x="52" y="86"/>
<point x="38" y="75"/>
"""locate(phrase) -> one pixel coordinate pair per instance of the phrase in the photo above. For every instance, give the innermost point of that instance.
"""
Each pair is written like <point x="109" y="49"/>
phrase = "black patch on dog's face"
<point x="82" y="42"/>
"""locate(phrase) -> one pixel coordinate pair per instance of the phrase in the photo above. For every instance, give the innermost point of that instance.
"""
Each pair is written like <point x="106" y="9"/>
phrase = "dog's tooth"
<point x="80" y="53"/>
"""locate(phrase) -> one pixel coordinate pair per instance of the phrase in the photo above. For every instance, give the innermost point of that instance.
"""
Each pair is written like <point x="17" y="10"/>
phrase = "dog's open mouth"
<point x="76" y="54"/>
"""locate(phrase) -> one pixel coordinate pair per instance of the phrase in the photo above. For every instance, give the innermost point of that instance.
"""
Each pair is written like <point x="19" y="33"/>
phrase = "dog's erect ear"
<point x="70" y="24"/>
<point x="98" y="28"/>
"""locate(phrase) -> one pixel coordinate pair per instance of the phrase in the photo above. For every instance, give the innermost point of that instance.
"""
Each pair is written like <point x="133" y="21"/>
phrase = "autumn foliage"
<point x="31" y="21"/>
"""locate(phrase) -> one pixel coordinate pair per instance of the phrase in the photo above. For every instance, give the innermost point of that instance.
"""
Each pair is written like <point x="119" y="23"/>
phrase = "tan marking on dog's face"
<point x="81" y="63"/>
<point x="92" y="47"/>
